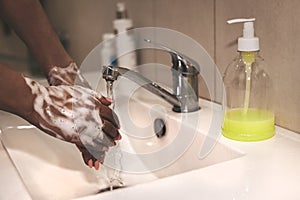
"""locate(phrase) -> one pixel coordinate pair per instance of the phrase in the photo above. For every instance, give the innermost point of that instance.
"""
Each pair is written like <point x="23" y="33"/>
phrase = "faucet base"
<point x="185" y="110"/>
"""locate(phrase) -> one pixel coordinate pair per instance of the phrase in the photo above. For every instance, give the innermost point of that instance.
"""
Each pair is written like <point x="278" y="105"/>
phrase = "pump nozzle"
<point x="240" y="20"/>
<point x="248" y="42"/>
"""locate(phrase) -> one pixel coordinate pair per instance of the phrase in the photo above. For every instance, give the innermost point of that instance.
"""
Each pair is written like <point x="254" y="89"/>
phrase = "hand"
<point x="70" y="75"/>
<point x="75" y="114"/>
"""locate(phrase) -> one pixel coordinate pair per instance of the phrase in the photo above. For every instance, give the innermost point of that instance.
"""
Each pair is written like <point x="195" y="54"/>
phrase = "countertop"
<point x="268" y="169"/>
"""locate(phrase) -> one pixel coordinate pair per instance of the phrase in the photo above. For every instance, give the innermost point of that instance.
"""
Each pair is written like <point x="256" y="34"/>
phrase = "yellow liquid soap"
<point x="255" y="125"/>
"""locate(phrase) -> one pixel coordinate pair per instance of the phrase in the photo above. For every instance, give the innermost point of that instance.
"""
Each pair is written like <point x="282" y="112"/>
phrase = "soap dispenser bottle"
<point x="249" y="114"/>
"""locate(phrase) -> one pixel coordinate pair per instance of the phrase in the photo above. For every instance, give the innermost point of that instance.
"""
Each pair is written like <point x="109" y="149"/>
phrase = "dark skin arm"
<point x="30" y="22"/>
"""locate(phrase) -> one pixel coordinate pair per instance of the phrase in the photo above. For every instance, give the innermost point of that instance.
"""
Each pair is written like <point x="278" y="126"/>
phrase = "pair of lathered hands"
<point x="70" y="110"/>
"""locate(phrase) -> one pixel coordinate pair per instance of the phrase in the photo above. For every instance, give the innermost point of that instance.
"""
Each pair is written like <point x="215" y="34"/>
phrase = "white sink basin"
<point x="53" y="169"/>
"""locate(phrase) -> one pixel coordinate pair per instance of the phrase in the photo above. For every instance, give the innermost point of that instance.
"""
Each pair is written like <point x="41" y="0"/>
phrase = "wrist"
<point x="24" y="108"/>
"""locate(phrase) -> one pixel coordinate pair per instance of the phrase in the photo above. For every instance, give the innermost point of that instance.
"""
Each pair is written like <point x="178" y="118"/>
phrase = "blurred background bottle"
<point x="124" y="40"/>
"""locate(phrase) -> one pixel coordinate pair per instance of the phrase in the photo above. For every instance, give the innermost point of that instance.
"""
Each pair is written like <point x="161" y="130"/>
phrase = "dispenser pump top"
<point x="121" y="11"/>
<point x="248" y="42"/>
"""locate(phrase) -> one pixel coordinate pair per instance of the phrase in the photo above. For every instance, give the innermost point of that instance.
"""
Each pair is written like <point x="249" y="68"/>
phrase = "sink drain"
<point x="160" y="127"/>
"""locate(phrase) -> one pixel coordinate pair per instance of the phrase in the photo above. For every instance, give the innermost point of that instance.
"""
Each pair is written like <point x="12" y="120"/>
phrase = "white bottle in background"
<point x="124" y="41"/>
<point x="108" y="50"/>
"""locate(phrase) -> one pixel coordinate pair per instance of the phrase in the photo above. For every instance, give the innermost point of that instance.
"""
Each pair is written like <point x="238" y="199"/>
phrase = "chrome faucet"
<point x="185" y="81"/>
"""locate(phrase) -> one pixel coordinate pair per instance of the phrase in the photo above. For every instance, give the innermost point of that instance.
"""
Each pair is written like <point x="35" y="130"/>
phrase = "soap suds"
<point x="70" y="113"/>
<point x="69" y="75"/>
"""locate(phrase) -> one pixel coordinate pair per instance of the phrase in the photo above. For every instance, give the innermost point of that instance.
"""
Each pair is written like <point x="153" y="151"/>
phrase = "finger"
<point x="100" y="159"/>
<point x="86" y="156"/>
<point x="105" y="100"/>
<point x="107" y="114"/>
<point x="96" y="165"/>
<point x="90" y="158"/>
<point x="93" y="162"/>
<point x="90" y="163"/>
<point x="119" y="137"/>
<point x="109" y="129"/>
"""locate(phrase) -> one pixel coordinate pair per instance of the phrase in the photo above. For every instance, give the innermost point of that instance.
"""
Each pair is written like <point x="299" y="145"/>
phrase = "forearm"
<point x="32" y="25"/>
<point x="15" y="95"/>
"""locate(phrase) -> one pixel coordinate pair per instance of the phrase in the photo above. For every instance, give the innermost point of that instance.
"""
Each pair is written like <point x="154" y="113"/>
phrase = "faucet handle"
<point x="181" y="63"/>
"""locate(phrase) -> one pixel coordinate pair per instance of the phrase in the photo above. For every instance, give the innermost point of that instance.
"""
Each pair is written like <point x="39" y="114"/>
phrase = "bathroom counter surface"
<point x="268" y="169"/>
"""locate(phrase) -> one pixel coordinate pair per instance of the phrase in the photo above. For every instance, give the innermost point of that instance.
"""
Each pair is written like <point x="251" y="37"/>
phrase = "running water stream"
<point x="115" y="179"/>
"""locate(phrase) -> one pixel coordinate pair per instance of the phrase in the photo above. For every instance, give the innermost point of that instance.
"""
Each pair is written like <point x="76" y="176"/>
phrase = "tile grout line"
<point x="215" y="47"/>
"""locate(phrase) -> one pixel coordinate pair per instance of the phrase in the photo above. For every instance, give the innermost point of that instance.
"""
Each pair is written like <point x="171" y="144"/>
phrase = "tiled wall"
<point x="277" y="25"/>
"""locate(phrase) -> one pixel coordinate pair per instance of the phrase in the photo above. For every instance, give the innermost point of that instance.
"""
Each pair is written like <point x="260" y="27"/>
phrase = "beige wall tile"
<point x="193" y="18"/>
<point x="84" y="22"/>
<point x="278" y="28"/>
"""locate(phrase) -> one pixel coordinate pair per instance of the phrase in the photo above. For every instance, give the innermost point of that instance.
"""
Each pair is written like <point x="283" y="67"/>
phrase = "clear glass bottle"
<point x="249" y="114"/>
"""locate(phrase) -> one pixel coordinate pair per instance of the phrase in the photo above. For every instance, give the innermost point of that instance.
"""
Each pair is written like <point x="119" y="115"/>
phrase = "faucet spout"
<point x="184" y="75"/>
<point x="111" y="74"/>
